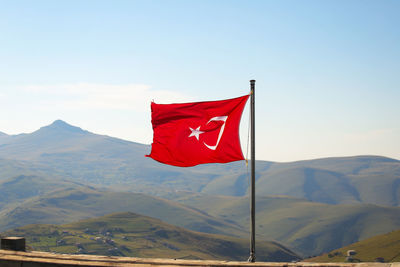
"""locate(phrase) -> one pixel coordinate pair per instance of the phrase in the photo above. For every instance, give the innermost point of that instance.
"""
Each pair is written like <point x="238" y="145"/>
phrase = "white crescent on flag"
<point x="221" y="131"/>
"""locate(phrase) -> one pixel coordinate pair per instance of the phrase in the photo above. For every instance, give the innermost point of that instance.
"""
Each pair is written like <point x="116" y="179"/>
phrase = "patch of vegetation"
<point x="130" y="234"/>
<point x="381" y="248"/>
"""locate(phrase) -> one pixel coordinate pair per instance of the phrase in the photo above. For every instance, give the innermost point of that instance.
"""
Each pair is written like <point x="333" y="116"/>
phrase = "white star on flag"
<point x="196" y="132"/>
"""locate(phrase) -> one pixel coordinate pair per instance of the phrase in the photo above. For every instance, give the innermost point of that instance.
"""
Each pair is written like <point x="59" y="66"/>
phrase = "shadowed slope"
<point x="14" y="191"/>
<point x="71" y="204"/>
<point x="309" y="227"/>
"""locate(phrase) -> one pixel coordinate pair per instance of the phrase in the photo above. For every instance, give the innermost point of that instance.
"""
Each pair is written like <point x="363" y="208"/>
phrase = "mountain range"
<point x="62" y="173"/>
<point x="67" y="151"/>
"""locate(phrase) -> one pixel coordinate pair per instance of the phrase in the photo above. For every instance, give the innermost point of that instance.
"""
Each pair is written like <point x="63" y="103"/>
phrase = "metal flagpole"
<point x="252" y="257"/>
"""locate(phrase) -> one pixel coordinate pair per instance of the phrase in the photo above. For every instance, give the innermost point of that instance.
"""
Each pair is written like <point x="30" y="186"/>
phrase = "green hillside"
<point x="65" y="151"/>
<point x="362" y="179"/>
<point x="72" y="204"/>
<point x="386" y="247"/>
<point x="12" y="168"/>
<point x="308" y="227"/>
<point x="129" y="234"/>
<point x="20" y="188"/>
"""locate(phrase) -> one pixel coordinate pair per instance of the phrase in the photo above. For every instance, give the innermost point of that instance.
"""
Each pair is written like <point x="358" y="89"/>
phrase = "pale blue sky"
<point x="328" y="72"/>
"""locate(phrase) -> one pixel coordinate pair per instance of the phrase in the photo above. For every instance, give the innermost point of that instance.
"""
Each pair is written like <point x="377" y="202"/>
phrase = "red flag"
<point x="189" y="134"/>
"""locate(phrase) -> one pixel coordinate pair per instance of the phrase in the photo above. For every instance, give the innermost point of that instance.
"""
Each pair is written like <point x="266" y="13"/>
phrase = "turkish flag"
<point x="189" y="134"/>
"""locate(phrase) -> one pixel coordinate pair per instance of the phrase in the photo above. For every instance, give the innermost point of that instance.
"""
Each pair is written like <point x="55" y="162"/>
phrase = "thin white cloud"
<point x="136" y="97"/>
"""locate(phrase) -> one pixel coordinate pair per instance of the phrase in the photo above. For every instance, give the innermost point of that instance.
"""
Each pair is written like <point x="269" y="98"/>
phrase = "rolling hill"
<point x="310" y="228"/>
<point x="18" y="189"/>
<point x="3" y="137"/>
<point x="70" y="202"/>
<point x="69" y="152"/>
<point x="361" y="179"/>
<point x="129" y="234"/>
<point x="383" y="248"/>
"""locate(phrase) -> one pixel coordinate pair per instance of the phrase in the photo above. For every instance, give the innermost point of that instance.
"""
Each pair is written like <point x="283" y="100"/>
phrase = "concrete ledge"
<point x="43" y="259"/>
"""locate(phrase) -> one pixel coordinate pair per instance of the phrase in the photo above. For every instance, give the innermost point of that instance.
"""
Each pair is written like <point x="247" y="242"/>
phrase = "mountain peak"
<point x="60" y="125"/>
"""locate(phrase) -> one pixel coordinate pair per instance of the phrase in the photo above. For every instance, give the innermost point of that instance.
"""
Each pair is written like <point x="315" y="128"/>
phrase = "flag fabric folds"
<point x="189" y="134"/>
